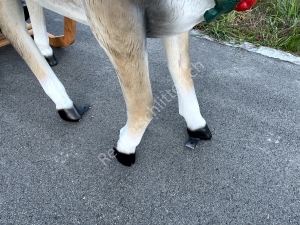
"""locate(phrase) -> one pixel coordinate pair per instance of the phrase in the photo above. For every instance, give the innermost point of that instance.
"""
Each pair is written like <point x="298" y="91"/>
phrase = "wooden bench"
<point x="64" y="40"/>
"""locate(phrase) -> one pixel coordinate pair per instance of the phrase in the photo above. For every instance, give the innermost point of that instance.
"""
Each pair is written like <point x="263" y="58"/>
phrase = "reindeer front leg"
<point x="177" y="50"/>
<point x="41" y="39"/>
<point x="13" y="27"/>
<point x="120" y="31"/>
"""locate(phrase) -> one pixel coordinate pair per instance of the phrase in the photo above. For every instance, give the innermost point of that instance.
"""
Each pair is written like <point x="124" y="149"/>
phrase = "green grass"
<point x="272" y="23"/>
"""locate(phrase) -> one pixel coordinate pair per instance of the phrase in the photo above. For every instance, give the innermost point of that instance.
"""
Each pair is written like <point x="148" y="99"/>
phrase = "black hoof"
<point x="197" y="135"/>
<point x="202" y="134"/>
<point x="73" y="114"/>
<point x="125" y="159"/>
<point x="51" y="60"/>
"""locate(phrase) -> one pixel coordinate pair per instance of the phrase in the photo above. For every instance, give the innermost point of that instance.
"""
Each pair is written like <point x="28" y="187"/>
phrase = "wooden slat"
<point x="2" y="37"/>
<point x="28" y="25"/>
<point x="4" y="42"/>
<point x="69" y="35"/>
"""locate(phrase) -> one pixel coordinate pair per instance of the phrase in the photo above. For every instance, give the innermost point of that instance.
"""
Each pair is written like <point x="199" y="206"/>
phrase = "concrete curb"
<point x="266" y="51"/>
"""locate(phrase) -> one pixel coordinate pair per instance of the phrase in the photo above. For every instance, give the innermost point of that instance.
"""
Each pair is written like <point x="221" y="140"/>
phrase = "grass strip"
<point x="271" y="23"/>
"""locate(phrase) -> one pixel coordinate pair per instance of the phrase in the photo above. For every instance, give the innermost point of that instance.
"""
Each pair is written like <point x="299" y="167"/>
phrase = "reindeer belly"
<point x="73" y="9"/>
<point x="162" y="17"/>
<point x="173" y="17"/>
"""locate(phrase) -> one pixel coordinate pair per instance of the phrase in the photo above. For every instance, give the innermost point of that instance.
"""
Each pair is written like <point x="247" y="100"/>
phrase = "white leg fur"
<point x="13" y="26"/>
<point x="177" y="50"/>
<point x="127" y="142"/>
<point x="56" y="91"/>
<point x="37" y="18"/>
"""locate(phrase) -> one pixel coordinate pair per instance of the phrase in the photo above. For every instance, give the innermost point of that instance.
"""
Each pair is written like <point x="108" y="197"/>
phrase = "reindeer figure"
<point x="121" y="28"/>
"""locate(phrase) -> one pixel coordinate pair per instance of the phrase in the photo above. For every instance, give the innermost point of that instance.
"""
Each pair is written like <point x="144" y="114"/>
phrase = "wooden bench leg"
<point x="55" y="41"/>
<point x="69" y="35"/>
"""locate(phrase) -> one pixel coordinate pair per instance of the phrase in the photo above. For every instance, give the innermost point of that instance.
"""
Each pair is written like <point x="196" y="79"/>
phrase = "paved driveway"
<point x="247" y="174"/>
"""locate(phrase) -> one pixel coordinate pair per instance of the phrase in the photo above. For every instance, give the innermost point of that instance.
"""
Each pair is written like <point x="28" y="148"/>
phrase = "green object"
<point x="221" y="7"/>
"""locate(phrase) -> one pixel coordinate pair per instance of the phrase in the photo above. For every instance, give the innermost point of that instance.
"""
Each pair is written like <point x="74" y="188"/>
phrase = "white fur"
<point x="56" y="91"/>
<point x="127" y="142"/>
<point x="189" y="109"/>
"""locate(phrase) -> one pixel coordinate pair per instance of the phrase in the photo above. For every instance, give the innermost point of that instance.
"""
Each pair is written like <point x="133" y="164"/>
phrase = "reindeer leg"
<point x="177" y="50"/>
<point x="41" y="39"/>
<point x="120" y="31"/>
<point x="13" y="27"/>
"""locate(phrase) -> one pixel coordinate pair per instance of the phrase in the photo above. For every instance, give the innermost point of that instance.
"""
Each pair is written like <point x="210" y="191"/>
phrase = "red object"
<point x="245" y="5"/>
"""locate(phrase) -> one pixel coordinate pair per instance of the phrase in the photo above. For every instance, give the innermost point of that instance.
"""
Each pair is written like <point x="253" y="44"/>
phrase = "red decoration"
<point x="245" y="5"/>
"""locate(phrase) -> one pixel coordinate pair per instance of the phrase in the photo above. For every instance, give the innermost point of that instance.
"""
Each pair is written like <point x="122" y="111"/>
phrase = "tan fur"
<point x="177" y="50"/>
<point x="128" y="54"/>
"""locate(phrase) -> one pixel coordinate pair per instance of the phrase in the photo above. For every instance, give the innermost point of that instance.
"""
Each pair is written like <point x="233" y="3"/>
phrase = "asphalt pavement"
<point x="50" y="172"/>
